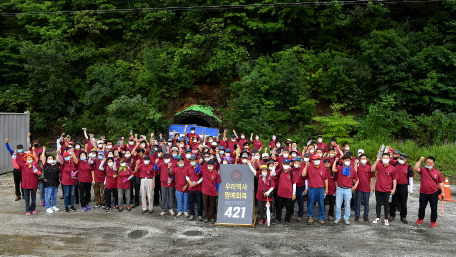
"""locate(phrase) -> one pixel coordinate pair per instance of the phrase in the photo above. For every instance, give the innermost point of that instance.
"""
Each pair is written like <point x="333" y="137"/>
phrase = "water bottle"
<point x="324" y="195"/>
<point x="303" y="193"/>
<point x="390" y="199"/>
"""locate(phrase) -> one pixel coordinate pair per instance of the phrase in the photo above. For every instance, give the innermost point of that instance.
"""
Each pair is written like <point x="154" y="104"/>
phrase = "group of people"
<point x="185" y="169"/>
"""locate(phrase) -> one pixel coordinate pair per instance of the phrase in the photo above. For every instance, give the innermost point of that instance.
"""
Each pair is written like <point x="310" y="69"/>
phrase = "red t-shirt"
<point x="257" y="144"/>
<point x="265" y="184"/>
<point x="298" y="173"/>
<point x="163" y="169"/>
<point x="402" y="173"/>
<point x="179" y="176"/>
<point x="285" y="188"/>
<point x="99" y="174"/>
<point x="344" y="180"/>
<point x="146" y="171"/>
<point x="385" y="177"/>
<point x="323" y="147"/>
<point x="428" y="185"/>
<point x="29" y="178"/>
<point x="331" y="181"/>
<point x="392" y="161"/>
<point x="194" y="177"/>
<point x="67" y="168"/>
<point x="111" y="182"/>
<point x="230" y="144"/>
<point x="123" y="173"/>
<point x="210" y="179"/>
<point x="364" y="174"/>
<point x="84" y="171"/>
<point x="316" y="176"/>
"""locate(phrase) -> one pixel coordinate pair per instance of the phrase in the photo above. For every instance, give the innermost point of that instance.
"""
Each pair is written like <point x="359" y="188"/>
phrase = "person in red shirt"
<point x="318" y="188"/>
<point x="179" y="173"/>
<point x="257" y="144"/>
<point x="191" y="134"/>
<point x="394" y="155"/>
<point x="286" y="192"/>
<point x="194" y="178"/>
<point x="346" y="174"/>
<point x="321" y="144"/>
<point x="111" y="181"/>
<point x="99" y="177"/>
<point x="125" y="174"/>
<point x="264" y="190"/>
<point x="17" y="176"/>
<point x="231" y="143"/>
<point x="85" y="177"/>
<point x="209" y="189"/>
<point x="386" y="179"/>
<point x="300" y="187"/>
<point x="146" y="172"/>
<point x="272" y="143"/>
<point x="405" y="176"/>
<point x="68" y="170"/>
<point x="167" y="184"/>
<point x="331" y="187"/>
<point x="30" y="171"/>
<point x="365" y="186"/>
<point x="431" y="181"/>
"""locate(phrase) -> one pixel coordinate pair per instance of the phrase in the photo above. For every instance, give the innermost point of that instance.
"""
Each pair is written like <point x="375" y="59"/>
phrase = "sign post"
<point x="236" y="201"/>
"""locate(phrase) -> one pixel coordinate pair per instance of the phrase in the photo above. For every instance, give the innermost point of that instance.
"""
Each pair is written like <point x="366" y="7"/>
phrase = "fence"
<point x="15" y="127"/>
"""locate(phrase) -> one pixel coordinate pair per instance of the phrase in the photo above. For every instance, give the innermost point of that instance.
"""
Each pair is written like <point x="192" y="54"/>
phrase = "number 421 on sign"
<point x="234" y="212"/>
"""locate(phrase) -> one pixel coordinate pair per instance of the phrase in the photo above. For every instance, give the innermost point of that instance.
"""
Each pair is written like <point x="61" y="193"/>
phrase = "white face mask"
<point x="77" y="147"/>
<point x="112" y="156"/>
<point x="100" y="145"/>
<point x="159" y="155"/>
<point x="210" y="168"/>
<point x="188" y="156"/>
<point x="109" y="146"/>
<point x="296" y="165"/>
<point x="233" y="140"/>
<point x="401" y="161"/>
<point x="146" y="162"/>
<point x="194" y="140"/>
<point x="312" y="151"/>
<point x="110" y="164"/>
<point x="131" y="143"/>
<point x="317" y="162"/>
<point x="257" y="138"/>
<point x="257" y="157"/>
<point x="169" y="144"/>
<point x="193" y="163"/>
<point x="181" y="145"/>
<point x="244" y="160"/>
<point x="264" y="173"/>
<point x="347" y="148"/>
<point x="128" y="155"/>
<point x="306" y="159"/>
<point x="193" y="132"/>
<point x="225" y="162"/>
<point x="320" y="140"/>
<point x="272" y="168"/>
<point x="242" y="137"/>
<point x="285" y="155"/>
<point x="123" y="164"/>
<point x="347" y="164"/>
<point x="363" y="161"/>
<point x="143" y="145"/>
<point x="207" y="159"/>
<point x="210" y="140"/>
<point x="293" y="155"/>
<point x="331" y="155"/>
<point x="273" y="138"/>
<point x="286" y="167"/>
<point x="385" y="161"/>
<point x="166" y="161"/>
<point x="50" y="162"/>
<point x="227" y="154"/>
<point x="278" y="145"/>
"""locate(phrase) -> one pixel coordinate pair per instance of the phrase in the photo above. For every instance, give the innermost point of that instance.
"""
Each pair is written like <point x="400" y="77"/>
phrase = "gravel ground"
<point x="97" y="233"/>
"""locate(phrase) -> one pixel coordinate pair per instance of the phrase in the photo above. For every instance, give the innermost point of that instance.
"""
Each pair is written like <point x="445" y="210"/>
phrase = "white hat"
<point x="360" y="151"/>
<point x="265" y="155"/>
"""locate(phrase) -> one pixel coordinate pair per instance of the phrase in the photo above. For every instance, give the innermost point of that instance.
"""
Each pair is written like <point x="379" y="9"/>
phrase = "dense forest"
<point x="353" y="71"/>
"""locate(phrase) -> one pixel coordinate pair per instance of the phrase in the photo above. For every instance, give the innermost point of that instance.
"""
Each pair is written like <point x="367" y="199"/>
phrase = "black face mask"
<point x="36" y="145"/>
<point x="395" y="158"/>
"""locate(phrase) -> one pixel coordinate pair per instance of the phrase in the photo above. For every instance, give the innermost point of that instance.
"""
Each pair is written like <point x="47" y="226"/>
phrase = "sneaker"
<point x="17" y="198"/>
<point x="321" y="221"/>
<point x="72" y="208"/>
<point x="42" y="203"/>
<point x="205" y="220"/>
<point x="135" y="205"/>
<point x="87" y="207"/>
<point x="200" y="218"/>
<point x="357" y="219"/>
<point x="286" y="224"/>
<point x="310" y="221"/>
<point x="260" y="222"/>
<point x="144" y="211"/>
<point x="61" y="197"/>
<point x="67" y="209"/>
<point x="391" y="218"/>
<point x="377" y="220"/>
<point x="347" y="222"/>
<point x="419" y="222"/>
<point x="213" y="221"/>
<point x="151" y="211"/>
<point x="108" y="209"/>
<point x="330" y="217"/>
<point x="404" y="220"/>
<point x="103" y="206"/>
<point x="386" y="222"/>
<point x="116" y="207"/>
<point x="34" y="212"/>
<point x="97" y="206"/>
<point x="276" y="222"/>
<point x="171" y="211"/>
<point x="299" y="219"/>
<point x="366" y="219"/>
<point x="186" y="214"/>
<point x="120" y="209"/>
<point x="192" y="217"/>
<point x="49" y="210"/>
<point x="84" y="209"/>
<point x="337" y="221"/>
<point x="54" y="208"/>
<point x="27" y="214"/>
<point x="128" y="208"/>
<point x="179" y="214"/>
<point x="433" y="224"/>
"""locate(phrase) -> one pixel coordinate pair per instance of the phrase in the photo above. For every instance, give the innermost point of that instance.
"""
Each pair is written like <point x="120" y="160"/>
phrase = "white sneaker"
<point x="171" y="211"/>
<point x="186" y="214"/>
<point x="387" y="222"/>
<point x="377" y="220"/>
<point x="49" y="210"/>
<point x="162" y="213"/>
<point x="179" y="214"/>
<point x="54" y="208"/>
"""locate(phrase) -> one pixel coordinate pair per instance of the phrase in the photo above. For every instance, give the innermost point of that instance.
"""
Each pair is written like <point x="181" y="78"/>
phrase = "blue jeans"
<point x="182" y="197"/>
<point x="29" y="194"/>
<point x="313" y="195"/>
<point x="68" y="191"/>
<point x="343" y="195"/>
<point x="362" y="195"/>
<point x="42" y="191"/>
<point x="51" y="191"/>
<point x="300" y="199"/>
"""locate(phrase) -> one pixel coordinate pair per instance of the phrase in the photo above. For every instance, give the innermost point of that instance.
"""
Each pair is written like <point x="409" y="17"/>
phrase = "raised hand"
<point x="156" y="161"/>
<point x="29" y="134"/>
<point x="6" y="141"/>
<point x="421" y="159"/>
